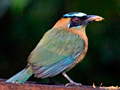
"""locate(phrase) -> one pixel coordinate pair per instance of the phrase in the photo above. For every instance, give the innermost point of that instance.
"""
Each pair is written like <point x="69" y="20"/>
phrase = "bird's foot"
<point x="73" y="83"/>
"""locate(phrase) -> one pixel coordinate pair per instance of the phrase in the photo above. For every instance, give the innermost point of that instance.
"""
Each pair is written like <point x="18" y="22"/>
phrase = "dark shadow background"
<point x="23" y="23"/>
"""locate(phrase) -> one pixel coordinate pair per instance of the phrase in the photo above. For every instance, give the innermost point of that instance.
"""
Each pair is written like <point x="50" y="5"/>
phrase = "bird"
<point x="60" y="49"/>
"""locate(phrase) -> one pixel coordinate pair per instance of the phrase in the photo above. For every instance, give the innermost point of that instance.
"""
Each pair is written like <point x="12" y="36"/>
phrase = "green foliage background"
<point x="23" y="23"/>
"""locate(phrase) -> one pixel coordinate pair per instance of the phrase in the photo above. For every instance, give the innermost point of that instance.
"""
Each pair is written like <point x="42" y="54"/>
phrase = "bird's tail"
<point x="21" y="76"/>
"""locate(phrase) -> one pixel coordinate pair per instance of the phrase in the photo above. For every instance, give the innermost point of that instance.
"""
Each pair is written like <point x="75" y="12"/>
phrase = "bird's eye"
<point x="76" y="19"/>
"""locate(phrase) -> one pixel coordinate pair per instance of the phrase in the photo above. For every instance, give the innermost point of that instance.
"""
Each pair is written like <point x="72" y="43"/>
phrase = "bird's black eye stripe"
<point x="80" y="18"/>
<point x="77" y="21"/>
<point x="74" y="19"/>
<point x="83" y="18"/>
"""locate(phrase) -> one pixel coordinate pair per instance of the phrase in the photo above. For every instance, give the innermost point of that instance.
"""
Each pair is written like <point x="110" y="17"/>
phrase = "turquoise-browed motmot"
<point x="60" y="49"/>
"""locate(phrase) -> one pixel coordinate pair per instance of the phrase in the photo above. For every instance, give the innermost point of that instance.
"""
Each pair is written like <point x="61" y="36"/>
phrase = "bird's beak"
<point x="92" y="18"/>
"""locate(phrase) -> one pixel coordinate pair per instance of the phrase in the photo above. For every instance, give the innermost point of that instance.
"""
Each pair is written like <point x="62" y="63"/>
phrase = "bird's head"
<point x="76" y="20"/>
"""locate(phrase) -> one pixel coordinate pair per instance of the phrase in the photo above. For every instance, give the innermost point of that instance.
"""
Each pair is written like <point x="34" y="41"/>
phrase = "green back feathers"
<point x="55" y="46"/>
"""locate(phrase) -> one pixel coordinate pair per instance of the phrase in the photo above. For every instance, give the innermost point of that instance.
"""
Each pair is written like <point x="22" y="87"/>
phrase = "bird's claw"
<point x="74" y="83"/>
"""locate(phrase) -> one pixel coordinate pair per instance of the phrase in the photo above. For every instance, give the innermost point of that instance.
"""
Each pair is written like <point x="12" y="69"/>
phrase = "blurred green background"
<point x="24" y="22"/>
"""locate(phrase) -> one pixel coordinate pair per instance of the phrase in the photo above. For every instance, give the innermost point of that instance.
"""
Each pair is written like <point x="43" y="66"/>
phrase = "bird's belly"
<point x="79" y="57"/>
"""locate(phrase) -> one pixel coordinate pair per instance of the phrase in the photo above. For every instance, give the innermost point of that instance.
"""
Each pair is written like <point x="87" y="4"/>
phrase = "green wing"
<point x="55" y="46"/>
